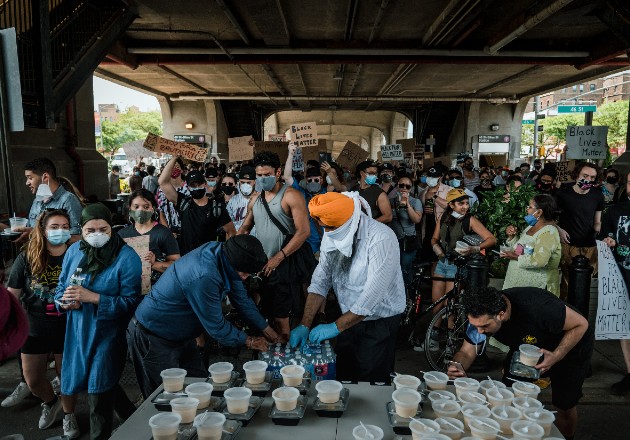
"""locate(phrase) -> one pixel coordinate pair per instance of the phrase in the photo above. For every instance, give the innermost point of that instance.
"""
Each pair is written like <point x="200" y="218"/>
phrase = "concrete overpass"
<point x="362" y="69"/>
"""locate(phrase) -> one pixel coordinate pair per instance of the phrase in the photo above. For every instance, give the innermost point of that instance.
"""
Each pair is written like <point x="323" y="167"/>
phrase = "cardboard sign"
<point x="298" y="161"/>
<point x="408" y="145"/>
<point x="135" y="150"/>
<point x="141" y="246"/>
<point x="277" y="138"/>
<point x="240" y="148"/>
<point x="182" y="149"/>
<point x="613" y="305"/>
<point x="280" y="148"/>
<point x="392" y="152"/>
<point x="564" y="170"/>
<point x="351" y="156"/>
<point x="305" y="135"/>
<point x="587" y="142"/>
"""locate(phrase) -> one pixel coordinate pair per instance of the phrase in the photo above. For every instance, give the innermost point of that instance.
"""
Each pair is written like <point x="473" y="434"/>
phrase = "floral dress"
<point x="540" y="269"/>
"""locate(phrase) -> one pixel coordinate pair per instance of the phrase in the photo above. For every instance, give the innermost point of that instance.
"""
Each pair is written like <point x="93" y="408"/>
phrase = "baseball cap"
<point x="247" y="172"/>
<point x="195" y="176"/>
<point x="455" y="195"/>
<point x="212" y="172"/>
<point x="363" y="165"/>
<point x="387" y="166"/>
<point x="435" y="172"/>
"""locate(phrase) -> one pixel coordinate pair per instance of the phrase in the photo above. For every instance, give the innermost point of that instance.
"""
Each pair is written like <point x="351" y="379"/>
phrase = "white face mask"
<point x="457" y="214"/>
<point x="328" y="180"/>
<point x="97" y="239"/>
<point x="246" y="189"/>
<point x="43" y="192"/>
<point x="433" y="181"/>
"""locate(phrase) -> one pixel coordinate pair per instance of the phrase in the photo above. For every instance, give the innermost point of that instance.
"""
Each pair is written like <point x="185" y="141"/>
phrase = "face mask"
<point x="537" y="167"/>
<point x="584" y="184"/>
<point x="469" y="167"/>
<point x="346" y="176"/>
<point x="504" y="173"/>
<point x="246" y="189"/>
<point x="545" y="186"/>
<point x="612" y="180"/>
<point x="313" y="187"/>
<point x="370" y="179"/>
<point x="229" y="190"/>
<point x="197" y="193"/>
<point x="328" y="180"/>
<point x="97" y="239"/>
<point x="455" y="183"/>
<point x="137" y="173"/>
<point x="211" y="183"/>
<point x="457" y="215"/>
<point x="43" y="192"/>
<point x="140" y="216"/>
<point x="176" y="173"/>
<point x="530" y="219"/>
<point x="485" y="181"/>
<point x="476" y="338"/>
<point x="265" y="183"/>
<point x="433" y="181"/>
<point x="386" y="178"/>
<point x="57" y="236"/>
<point x="423" y="179"/>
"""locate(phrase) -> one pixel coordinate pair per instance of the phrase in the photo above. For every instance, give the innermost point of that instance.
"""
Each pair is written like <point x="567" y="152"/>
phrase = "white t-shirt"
<point x="237" y="210"/>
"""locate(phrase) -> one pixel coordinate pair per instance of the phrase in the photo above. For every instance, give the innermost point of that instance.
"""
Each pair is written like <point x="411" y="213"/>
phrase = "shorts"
<point x="445" y="269"/>
<point x="45" y="337"/>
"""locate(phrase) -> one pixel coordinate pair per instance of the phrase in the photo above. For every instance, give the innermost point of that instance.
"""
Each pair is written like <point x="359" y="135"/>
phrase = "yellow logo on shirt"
<point x="529" y="339"/>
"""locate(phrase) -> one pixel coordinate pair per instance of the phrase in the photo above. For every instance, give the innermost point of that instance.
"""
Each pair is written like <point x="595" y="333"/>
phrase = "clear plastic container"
<point x="485" y="385"/>
<point x="164" y="425"/>
<point x="18" y="222"/>
<point x="367" y="432"/>
<point x="185" y="407"/>
<point x="406" y="381"/>
<point x="285" y="398"/>
<point x="527" y="430"/>
<point x="472" y="397"/>
<point x="292" y="375"/>
<point x="505" y="415"/>
<point x="525" y="403"/>
<point x="237" y="399"/>
<point x="525" y="389"/>
<point x="500" y="396"/>
<point x="255" y="371"/>
<point x="463" y="384"/>
<point x="446" y="408"/>
<point x="406" y="401"/>
<point x="328" y="391"/>
<point x="484" y="428"/>
<point x="173" y="379"/>
<point x="474" y="410"/>
<point x="451" y="427"/>
<point x="435" y="380"/>
<point x="221" y="372"/>
<point x="529" y="354"/>
<point x="201" y="391"/>
<point x="541" y="416"/>
<point x="420" y="428"/>
<point x="441" y="395"/>
<point x="209" y="425"/>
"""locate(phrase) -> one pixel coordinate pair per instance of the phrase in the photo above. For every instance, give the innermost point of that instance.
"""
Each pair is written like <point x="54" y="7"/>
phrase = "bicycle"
<point x="413" y="309"/>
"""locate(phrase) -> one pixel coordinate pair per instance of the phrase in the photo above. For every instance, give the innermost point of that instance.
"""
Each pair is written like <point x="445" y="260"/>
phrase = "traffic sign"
<point x="528" y="122"/>
<point x="576" y="108"/>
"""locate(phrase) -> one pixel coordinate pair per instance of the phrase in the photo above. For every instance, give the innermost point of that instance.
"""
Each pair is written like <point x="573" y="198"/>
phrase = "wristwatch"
<point x="435" y="196"/>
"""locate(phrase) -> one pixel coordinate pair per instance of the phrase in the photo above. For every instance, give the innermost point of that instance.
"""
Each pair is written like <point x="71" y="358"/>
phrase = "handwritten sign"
<point x="613" y="305"/>
<point x="141" y="246"/>
<point x="351" y="155"/>
<point x="135" y="150"/>
<point x="564" y="170"/>
<point x="298" y="161"/>
<point x="277" y="138"/>
<point x="408" y="145"/>
<point x="280" y="148"/>
<point x="587" y="142"/>
<point x="187" y="151"/>
<point x="240" y="148"/>
<point x="392" y="152"/>
<point x="304" y="135"/>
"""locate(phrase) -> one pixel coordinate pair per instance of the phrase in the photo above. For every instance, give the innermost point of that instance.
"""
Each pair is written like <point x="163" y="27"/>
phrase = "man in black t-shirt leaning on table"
<point x="525" y="315"/>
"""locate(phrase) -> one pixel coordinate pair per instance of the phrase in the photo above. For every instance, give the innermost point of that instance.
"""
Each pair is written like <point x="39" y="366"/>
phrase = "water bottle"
<point x="331" y="358"/>
<point x="308" y="364"/>
<point x="277" y="351"/>
<point x="288" y="355"/>
<point x="320" y="367"/>
<point x="298" y="360"/>
<point x="274" y="366"/>
<point x="77" y="277"/>
<point x="264" y="356"/>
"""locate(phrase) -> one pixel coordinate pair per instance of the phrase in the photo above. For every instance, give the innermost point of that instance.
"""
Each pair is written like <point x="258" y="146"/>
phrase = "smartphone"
<point x="457" y="365"/>
<point x="325" y="157"/>
<point x="61" y="303"/>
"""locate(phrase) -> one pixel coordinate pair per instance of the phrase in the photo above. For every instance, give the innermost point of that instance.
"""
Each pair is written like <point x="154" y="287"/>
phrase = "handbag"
<point x="299" y="266"/>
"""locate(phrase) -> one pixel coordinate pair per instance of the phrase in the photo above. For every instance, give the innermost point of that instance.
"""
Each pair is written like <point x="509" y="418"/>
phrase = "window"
<point x="547" y="103"/>
<point x="564" y="90"/>
<point x="581" y="87"/>
<point x="592" y="87"/>
<point x="574" y="88"/>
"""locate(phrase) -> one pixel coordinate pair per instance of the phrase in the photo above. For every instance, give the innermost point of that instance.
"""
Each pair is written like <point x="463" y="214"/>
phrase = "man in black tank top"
<point x="367" y="172"/>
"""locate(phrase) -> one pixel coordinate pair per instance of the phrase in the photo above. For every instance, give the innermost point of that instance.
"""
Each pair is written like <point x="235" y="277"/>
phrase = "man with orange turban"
<point x="360" y="260"/>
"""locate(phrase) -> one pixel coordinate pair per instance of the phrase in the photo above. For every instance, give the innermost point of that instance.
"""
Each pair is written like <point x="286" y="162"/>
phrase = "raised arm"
<point x="165" y="181"/>
<point x="288" y="166"/>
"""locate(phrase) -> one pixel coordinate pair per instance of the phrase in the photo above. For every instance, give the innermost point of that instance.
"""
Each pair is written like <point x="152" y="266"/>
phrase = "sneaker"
<point x="56" y="384"/>
<point x="20" y="393"/>
<point x="433" y="346"/>
<point x="622" y="387"/>
<point x="49" y="414"/>
<point x="70" y="426"/>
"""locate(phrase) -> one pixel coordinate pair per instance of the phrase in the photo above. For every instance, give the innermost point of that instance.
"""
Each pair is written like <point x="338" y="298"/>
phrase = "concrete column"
<point x="271" y="126"/>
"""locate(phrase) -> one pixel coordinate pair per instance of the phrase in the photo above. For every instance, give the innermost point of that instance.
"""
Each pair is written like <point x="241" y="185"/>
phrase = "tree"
<point x="130" y="126"/>
<point x="615" y="116"/>
<point x="555" y="128"/>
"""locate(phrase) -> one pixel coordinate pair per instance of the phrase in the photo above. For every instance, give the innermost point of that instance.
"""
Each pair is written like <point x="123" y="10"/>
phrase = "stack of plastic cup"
<point x="237" y="399"/>
<point x="221" y="372"/>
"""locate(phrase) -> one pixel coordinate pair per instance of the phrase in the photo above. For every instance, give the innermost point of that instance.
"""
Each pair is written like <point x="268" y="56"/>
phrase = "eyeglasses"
<point x="314" y="179"/>
<point x="403" y="186"/>
<point x="228" y="184"/>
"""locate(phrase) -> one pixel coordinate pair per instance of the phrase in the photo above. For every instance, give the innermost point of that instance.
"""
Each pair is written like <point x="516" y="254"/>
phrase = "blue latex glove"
<point x="323" y="332"/>
<point x="299" y="336"/>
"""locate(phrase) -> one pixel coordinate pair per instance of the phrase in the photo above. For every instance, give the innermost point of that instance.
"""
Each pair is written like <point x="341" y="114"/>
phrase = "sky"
<point x="107" y="92"/>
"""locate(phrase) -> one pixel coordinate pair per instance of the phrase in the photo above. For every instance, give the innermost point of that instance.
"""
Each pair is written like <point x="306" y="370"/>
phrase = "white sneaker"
<point x="56" y="385"/>
<point x="49" y="414"/>
<point x="70" y="426"/>
<point x="20" y="393"/>
<point x="433" y="346"/>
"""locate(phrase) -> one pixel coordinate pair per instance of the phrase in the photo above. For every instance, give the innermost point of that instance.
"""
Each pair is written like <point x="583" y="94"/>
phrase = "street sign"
<point x="528" y="122"/>
<point x="494" y="138"/>
<point x="576" y="108"/>
<point x="190" y="138"/>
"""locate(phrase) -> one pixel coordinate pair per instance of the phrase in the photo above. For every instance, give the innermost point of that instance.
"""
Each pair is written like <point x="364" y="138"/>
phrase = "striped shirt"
<point x="373" y="286"/>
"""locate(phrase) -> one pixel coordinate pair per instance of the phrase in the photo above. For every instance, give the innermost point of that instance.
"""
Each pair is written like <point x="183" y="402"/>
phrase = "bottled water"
<point x="277" y="351"/>
<point x="320" y="367"/>
<point x="331" y="359"/>
<point x="77" y="277"/>
<point x="288" y="355"/>
<point x="308" y="364"/>
<point x="274" y="366"/>
<point x="298" y="360"/>
<point x="265" y="356"/>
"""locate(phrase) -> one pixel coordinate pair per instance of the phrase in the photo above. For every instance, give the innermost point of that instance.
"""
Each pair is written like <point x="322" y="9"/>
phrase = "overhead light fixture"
<point x="338" y="76"/>
<point x="189" y="125"/>
<point x="494" y="127"/>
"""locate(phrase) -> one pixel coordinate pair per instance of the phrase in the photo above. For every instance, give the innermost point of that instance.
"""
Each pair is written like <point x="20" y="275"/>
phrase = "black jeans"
<point x="366" y="351"/>
<point x="102" y="412"/>
<point x="151" y="354"/>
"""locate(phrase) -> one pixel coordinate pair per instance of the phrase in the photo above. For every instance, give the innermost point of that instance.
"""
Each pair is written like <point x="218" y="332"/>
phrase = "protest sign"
<point x="182" y="149"/>
<point x="240" y="148"/>
<point x="392" y="152"/>
<point x="305" y="134"/>
<point x="135" y="151"/>
<point x="613" y="305"/>
<point x="298" y="161"/>
<point x="351" y="156"/>
<point x="141" y="246"/>
<point x="277" y="138"/>
<point x="587" y="142"/>
<point x="280" y="148"/>
<point x="408" y="145"/>
<point x="564" y="170"/>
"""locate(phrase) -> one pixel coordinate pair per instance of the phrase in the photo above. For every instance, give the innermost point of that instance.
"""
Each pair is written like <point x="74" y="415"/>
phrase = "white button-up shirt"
<point x="373" y="286"/>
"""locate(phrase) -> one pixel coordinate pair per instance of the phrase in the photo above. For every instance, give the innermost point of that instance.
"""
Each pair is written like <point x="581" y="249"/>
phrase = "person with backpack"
<point x="150" y="182"/>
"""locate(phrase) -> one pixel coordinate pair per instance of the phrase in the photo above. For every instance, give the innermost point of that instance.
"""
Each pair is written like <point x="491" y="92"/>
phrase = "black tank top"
<point x="370" y="194"/>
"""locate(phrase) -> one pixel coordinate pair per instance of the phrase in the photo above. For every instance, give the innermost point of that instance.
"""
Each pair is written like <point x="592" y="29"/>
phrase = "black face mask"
<point x="612" y="180"/>
<point x="228" y="190"/>
<point x="197" y="193"/>
<point x="469" y="166"/>
<point x="386" y="178"/>
<point x="545" y="186"/>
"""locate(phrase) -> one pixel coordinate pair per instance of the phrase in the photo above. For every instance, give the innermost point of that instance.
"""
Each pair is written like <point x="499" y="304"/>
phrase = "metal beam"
<point x="509" y="79"/>
<point x="43" y="72"/>
<point x="351" y="14"/>
<point x="497" y="100"/>
<point x="616" y="22"/>
<point x="576" y="79"/>
<point x="121" y="80"/>
<point x="397" y="76"/>
<point x="184" y="79"/>
<point x="378" y="20"/>
<point x="355" y="81"/>
<point x="447" y="20"/>
<point x="272" y="76"/>
<point x="235" y="23"/>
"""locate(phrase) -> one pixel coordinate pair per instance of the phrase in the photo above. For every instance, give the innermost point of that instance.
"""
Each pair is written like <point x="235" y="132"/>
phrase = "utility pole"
<point x="535" y="145"/>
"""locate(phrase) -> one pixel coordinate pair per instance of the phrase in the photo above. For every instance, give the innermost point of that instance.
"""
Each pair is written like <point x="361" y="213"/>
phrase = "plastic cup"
<point x="500" y="396"/>
<point x="328" y="391"/>
<point x="221" y="372"/>
<point x="529" y="354"/>
<point x="209" y="426"/>
<point x="446" y="427"/>
<point x="255" y="371"/>
<point x="525" y="403"/>
<point x="406" y="381"/>
<point x="237" y="399"/>
<point x="292" y="375"/>
<point x="484" y="428"/>
<point x="541" y="416"/>
<point x="525" y="389"/>
<point x="472" y="397"/>
<point x="527" y="430"/>
<point x="436" y="380"/>
<point x="173" y="379"/>
<point x="463" y="384"/>
<point x="446" y="408"/>
<point x="164" y="425"/>
<point x="438" y="436"/>
<point x="420" y="428"/>
<point x="201" y="391"/>
<point x="285" y="398"/>
<point x="367" y="432"/>
<point x="441" y="395"/>
<point x="406" y="402"/>
<point x="185" y="407"/>
<point x="485" y="385"/>
<point x="505" y="415"/>
<point x="17" y="222"/>
<point x="474" y="410"/>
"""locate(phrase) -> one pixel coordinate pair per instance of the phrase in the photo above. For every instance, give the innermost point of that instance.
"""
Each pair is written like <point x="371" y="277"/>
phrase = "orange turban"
<point x="332" y="208"/>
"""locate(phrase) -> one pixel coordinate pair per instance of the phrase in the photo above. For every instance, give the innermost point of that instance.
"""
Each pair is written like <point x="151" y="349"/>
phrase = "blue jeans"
<point x="406" y="264"/>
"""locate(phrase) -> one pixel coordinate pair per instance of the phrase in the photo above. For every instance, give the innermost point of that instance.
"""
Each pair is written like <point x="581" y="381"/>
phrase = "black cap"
<point x="245" y="253"/>
<point x="247" y="172"/>
<point x="195" y="176"/>
<point x="212" y="172"/>
<point x="435" y="172"/>
<point x="313" y="172"/>
<point x="115" y="168"/>
<point x="387" y="166"/>
<point x="363" y="165"/>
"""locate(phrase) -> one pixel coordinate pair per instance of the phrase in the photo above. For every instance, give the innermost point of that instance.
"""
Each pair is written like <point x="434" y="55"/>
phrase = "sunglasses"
<point x="228" y="184"/>
<point x="314" y="179"/>
<point x="403" y="186"/>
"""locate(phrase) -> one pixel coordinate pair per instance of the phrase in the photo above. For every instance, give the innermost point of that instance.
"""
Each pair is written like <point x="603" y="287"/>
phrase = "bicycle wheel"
<point x="450" y="340"/>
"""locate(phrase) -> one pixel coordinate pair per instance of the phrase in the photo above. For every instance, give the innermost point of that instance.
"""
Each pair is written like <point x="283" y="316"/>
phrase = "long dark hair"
<point x="450" y="220"/>
<point x="35" y="250"/>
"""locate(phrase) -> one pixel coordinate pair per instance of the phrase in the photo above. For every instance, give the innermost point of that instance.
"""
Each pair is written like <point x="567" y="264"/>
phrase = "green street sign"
<point x="576" y="108"/>
<point x="528" y="122"/>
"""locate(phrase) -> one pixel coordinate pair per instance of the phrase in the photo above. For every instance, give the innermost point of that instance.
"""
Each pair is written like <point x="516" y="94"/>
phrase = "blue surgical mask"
<point x="211" y="183"/>
<point x="57" y="236"/>
<point x="476" y="338"/>
<point x="423" y="179"/>
<point x="456" y="183"/>
<point x="265" y="183"/>
<point x="370" y="179"/>
<point x="530" y="219"/>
